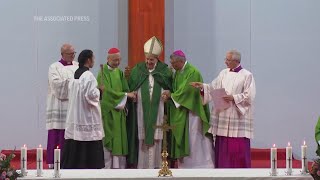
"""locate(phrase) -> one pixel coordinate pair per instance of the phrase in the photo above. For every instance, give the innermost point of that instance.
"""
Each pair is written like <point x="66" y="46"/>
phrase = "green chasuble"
<point x="189" y="99"/>
<point x="317" y="136"/>
<point x="139" y="78"/>
<point x="114" y="120"/>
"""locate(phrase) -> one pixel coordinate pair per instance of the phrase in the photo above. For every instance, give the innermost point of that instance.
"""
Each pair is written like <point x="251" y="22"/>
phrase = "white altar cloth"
<point x="181" y="174"/>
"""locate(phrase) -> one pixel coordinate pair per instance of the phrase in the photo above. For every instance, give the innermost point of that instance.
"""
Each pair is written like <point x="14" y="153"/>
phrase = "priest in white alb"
<point x="233" y="127"/>
<point x="59" y="76"/>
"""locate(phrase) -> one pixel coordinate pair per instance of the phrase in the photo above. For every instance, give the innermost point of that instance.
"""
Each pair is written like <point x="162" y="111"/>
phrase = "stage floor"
<point x="146" y="174"/>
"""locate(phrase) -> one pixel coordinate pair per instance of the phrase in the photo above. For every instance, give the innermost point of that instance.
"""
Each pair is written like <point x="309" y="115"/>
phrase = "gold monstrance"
<point x="164" y="171"/>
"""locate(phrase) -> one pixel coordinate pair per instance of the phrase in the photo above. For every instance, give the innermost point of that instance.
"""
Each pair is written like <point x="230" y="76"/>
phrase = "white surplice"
<point x="236" y="121"/>
<point x="84" y="122"/>
<point x="149" y="156"/>
<point x="57" y="98"/>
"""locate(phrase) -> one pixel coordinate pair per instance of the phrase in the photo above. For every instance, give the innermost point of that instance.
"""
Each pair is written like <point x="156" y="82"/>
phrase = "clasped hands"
<point x="165" y="95"/>
<point x="132" y="95"/>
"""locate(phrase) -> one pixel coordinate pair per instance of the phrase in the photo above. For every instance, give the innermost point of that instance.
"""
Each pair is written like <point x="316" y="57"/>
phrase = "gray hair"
<point x="236" y="55"/>
<point x="176" y="57"/>
<point x="112" y="55"/>
<point x="65" y="47"/>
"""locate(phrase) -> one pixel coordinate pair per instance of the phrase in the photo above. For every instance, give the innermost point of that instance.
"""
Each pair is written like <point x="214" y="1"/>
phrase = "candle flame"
<point x="288" y="143"/>
<point x="274" y="145"/>
<point x="304" y="143"/>
<point x="24" y="145"/>
<point x="40" y="146"/>
<point x="58" y="147"/>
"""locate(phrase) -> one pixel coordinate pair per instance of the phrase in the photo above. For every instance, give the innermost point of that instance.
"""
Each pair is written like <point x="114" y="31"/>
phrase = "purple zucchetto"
<point x="179" y="53"/>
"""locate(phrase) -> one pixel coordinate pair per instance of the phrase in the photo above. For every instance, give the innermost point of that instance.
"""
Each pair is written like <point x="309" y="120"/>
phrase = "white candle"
<point x="23" y="159"/>
<point x="57" y="162"/>
<point x="289" y="158"/>
<point x="273" y="159"/>
<point x="39" y="160"/>
<point x="304" y="157"/>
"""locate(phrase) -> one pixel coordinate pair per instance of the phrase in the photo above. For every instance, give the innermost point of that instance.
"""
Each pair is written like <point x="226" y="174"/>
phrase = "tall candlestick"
<point x="57" y="162"/>
<point x="23" y="159"/>
<point x="273" y="160"/>
<point x="289" y="159"/>
<point x="304" y="158"/>
<point x="39" y="160"/>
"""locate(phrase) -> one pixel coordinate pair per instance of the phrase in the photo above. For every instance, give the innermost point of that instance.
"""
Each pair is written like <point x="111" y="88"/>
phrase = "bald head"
<point x="67" y="52"/>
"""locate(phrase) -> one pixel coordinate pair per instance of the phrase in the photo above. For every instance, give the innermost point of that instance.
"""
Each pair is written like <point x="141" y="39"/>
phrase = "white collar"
<point x="185" y="63"/>
<point x="110" y="68"/>
<point x="150" y="70"/>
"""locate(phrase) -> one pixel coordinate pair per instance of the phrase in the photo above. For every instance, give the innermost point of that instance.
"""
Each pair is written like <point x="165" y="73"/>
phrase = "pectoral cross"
<point x="151" y="82"/>
<point x="164" y="171"/>
<point x="150" y="86"/>
<point x="39" y="163"/>
<point x="23" y="160"/>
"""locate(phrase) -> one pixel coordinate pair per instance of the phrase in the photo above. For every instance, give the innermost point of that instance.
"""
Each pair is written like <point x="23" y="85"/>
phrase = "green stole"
<point x="139" y="78"/>
<point x="150" y="109"/>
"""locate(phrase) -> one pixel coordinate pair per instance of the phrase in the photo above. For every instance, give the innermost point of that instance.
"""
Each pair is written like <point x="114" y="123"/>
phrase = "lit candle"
<point x="23" y="160"/>
<point x="273" y="160"/>
<point x="39" y="160"/>
<point x="289" y="159"/>
<point x="304" y="157"/>
<point x="57" y="162"/>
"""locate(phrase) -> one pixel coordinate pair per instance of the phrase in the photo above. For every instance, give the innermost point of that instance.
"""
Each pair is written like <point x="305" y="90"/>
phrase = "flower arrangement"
<point x="6" y="170"/>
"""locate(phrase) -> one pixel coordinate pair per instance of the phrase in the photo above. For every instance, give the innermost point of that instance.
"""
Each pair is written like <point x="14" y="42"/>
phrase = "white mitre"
<point x="153" y="46"/>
